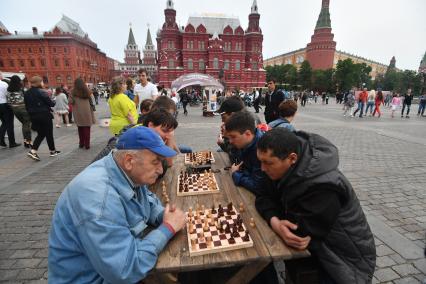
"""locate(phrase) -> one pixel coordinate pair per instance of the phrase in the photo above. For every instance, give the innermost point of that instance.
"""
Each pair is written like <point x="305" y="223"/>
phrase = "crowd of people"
<point x="99" y="224"/>
<point x="36" y="106"/>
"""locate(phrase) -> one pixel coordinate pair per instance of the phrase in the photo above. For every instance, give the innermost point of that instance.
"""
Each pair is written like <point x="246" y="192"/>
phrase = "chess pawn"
<point x="252" y="224"/>
<point x="203" y="209"/>
<point x="191" y="228"/>
<point x="206" y="225"/>
<point x="190" y="214"/>
<point x="193" y="244"/>
<point x="241" y="207"/>
<point x="209" y="241"/>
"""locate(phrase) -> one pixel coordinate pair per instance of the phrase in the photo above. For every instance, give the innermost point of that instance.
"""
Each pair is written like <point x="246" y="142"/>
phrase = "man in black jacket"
<point x="407" y="103"/>
<point x="311" y="205"/>
<point x="272" y="100"/>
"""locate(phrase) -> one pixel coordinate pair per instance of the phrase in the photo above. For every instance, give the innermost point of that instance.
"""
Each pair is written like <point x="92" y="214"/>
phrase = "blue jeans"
<point x="421" y="109"/>
<point x="403" y="108"/>
<point x="360" y="108"/>
<point x="370" y="105"/>
<point x="185" y="149"/>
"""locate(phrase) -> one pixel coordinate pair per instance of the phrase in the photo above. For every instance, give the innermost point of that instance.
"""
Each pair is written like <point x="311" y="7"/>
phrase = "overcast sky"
<point x="374" y="29"/>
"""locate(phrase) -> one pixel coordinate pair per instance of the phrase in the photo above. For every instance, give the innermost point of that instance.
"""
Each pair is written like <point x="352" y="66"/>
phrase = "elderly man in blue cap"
<point x="98" y="227"/>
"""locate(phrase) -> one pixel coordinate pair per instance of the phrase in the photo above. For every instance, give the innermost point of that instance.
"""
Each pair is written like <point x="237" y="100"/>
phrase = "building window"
<point x="40" y="50"/>
<point x="9" y="51"/>
<point x="69" y="80"/>
<point x="226" y="65"/>
<point x="237" y="65"/>
<point x="30" y="49"/>
<point x="215" y="63"/>
<point x="56" y="62"/>
<point x="54" y="50"/>
<point x="201" y="45"/>
<point x="201" y="65"/>
<point x="170" y="44"/>
<point x="43" y="62"/>
<point x="19" y="50"/>
<point x="11" y="63"/>
<point x="65" y="50"/>
<point x="190" y="64"/>
<point x="254" y="66"/>
<point x="32" y="62"/>
<point x="171" y="64"/>
<point x="58" y="79"/>
<point x="66" y="62"/>
<point x="21" y="63"/>
<point x="190" y="44"/>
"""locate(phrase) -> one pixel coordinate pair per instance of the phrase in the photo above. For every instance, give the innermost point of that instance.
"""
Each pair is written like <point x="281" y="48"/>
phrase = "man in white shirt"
<point x="144" y="90"/>
<point x="6" y="117"/>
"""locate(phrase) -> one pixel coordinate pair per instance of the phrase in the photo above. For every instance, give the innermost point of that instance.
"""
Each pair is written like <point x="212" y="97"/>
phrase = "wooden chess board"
<point x="196" y="183"/>
<point x="199" y="158"/>
<point x="211" y="231"/>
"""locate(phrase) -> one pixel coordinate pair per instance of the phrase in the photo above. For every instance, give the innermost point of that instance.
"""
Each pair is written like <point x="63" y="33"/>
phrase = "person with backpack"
<point x="287" y="111"/>
<point x="272" y="101"/>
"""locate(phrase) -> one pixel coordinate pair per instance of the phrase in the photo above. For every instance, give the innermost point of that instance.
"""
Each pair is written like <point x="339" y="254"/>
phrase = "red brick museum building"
<point x="60" y="55"/>
<point x="211" y="44"/>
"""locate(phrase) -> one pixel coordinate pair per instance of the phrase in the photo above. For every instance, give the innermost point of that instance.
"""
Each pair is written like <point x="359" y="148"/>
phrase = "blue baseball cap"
<point x="141" y="137"/>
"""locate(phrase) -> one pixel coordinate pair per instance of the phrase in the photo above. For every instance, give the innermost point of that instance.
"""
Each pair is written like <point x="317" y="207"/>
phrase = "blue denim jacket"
<point x="97" y="233"/>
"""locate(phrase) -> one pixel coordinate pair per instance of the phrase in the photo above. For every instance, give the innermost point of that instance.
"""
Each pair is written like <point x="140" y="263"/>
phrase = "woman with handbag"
<point x="38" y="105"/>
<point x="83" y="107"/>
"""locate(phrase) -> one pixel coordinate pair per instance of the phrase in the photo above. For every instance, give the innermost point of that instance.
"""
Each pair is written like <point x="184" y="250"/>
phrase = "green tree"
<point x="322" y="80"/>
<point x="305" y="75"/>
<point x="345" y="74"/>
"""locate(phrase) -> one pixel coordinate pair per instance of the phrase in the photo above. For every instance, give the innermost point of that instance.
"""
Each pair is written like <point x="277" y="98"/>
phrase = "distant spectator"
<point x="287" y="110"/>
<point x="61" y="107"/>
<point x="145" y="108"/>
<point x="129" y="89"/>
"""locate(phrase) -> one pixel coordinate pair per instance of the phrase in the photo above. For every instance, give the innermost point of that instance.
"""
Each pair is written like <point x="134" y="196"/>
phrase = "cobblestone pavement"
<point x="383" y="158"/>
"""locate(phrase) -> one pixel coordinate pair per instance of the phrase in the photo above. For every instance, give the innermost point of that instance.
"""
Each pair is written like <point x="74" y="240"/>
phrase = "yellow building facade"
<point x="297" y="57"/>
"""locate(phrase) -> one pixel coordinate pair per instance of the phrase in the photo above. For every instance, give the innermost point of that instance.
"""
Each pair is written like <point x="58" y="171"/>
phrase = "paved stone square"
<point x="383" y="158"/>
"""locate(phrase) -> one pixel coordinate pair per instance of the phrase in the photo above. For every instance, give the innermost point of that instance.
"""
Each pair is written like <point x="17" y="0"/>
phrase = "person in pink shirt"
<point x="395" y="103"/>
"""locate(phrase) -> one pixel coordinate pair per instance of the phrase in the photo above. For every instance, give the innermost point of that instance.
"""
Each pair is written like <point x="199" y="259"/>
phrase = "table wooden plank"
<point x="276" y="246"/>
<point x="175" y="256"/>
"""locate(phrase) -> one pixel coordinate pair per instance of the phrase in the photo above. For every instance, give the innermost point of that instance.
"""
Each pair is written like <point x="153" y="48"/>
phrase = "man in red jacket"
<point x="362" y="100"/>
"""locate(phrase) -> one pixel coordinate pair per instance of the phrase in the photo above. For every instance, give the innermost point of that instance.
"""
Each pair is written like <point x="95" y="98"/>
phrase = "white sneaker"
<point x="58" y="126"/>
<point x="68" y="125"/>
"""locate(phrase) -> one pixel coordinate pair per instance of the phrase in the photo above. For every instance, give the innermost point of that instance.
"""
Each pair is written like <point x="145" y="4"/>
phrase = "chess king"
<point x="311" y="205"/>
<point x="98" y="223"/>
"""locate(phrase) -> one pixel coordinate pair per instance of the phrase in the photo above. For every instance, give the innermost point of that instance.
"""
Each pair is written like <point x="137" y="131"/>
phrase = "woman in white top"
<point x="61" y="107"/>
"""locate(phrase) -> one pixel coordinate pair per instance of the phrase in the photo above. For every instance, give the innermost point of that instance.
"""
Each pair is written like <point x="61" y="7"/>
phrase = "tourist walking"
<point x="349" y="103"/>
<point x="15" y="99"/>
<point x="6" y="117"/>
<point x="370" y="102"/>
<point x="378" y="100"/>
<point x="422" y="105"/>
<point x="123" y="110"/>
<point x="256" y="100"/>
<point x="362" y="100"/>
<point x="407" y="103"/>
<point x="38" y="105"/>
<point x="83" y="111"/>
<point x="144" y="90"/>
<point x="184" y="99"/>
<point x="395" y="103"/>
<point x="61" y="107"/>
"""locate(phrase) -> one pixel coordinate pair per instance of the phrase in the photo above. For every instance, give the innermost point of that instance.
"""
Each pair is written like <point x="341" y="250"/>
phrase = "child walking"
<point x="61" y="107"/>
<point x="395" y="103"/>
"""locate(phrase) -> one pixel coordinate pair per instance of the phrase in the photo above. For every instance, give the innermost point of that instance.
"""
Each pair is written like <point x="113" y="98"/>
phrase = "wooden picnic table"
<point x="267" y="247"/>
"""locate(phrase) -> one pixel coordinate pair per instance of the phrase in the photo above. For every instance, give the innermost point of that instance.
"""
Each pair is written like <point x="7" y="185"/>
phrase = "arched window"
<point x="190" y="64"/>
<point x="215" y="63"/>
<point x="58" y="79"/>
<point x="237" y="65"/>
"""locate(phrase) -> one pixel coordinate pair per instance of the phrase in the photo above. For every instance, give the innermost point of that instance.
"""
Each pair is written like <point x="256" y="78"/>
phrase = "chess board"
<point x="211" y="231"/>
<point x="199" y="158"/>
<point x="196" y="183"/>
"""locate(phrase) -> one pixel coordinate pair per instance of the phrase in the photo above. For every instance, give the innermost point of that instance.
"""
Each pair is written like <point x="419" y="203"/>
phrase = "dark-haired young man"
<point x="243" y="135"/>
<point x="145" y="89"/>
<point x="272" y="100"/>
<point x="310" y="204"/>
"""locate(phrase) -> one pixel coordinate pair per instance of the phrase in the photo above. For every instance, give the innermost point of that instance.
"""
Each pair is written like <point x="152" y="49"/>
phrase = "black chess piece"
<point x="229" y="207"/>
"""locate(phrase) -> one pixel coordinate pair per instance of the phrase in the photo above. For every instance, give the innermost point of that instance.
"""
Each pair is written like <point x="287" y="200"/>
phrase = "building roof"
<point x="2" y="27"/>
<point x="131" y="40"/>
<point x="23" y="35"/>
<point x="67" y="25"/>
<point x="214" y="23"/>
<point x="148" y="38"/>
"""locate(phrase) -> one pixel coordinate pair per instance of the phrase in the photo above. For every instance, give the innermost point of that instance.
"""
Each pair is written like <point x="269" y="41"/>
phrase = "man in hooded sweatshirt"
<point x="311" y="205"/>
